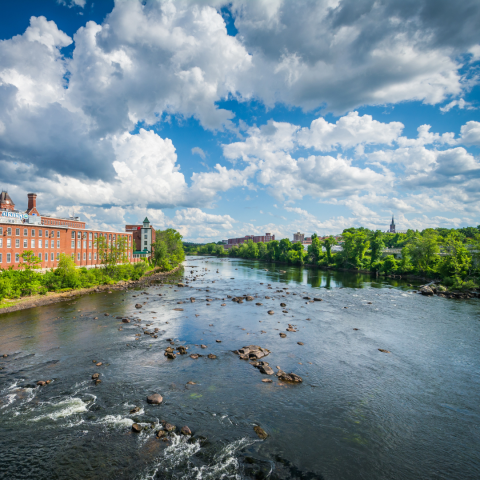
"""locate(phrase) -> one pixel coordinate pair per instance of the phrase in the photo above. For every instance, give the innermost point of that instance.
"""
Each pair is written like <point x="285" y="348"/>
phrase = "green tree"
<point x="377" y="244"/>
<point x="423" y="249"/>
<point x="458" y="260"/>
<point x="328" y="243"/>
<point x="174" y="248"/>
<point x="315" y="249"/>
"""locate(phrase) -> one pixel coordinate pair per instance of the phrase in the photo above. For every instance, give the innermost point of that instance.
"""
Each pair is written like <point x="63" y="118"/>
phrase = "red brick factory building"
<point x="256" y="239"/>
<point x="49" y="236"/>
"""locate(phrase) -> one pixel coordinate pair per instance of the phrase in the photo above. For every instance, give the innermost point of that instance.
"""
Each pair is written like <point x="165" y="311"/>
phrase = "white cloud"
<point x="198" y="151"/>
<point x="461" y="104"/>
<point x="72" y="3"/>
<point x="470" y="133"/>
<point x="349" y="131"/>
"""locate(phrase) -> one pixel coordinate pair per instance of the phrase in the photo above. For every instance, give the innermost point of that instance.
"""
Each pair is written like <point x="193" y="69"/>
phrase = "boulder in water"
<point x="262" y="434"/>
<point x="155" y="399"/>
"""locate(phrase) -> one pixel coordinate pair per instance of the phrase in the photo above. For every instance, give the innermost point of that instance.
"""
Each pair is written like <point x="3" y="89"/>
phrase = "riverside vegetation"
<point x="27" y="280"/>
<point x="449" y="256"/>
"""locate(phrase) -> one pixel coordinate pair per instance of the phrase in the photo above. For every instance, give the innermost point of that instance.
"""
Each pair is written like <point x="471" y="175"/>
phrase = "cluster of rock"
<point x="252" y="352"/>
<point x="441" y="291"/>
<point x="240" y="299"/>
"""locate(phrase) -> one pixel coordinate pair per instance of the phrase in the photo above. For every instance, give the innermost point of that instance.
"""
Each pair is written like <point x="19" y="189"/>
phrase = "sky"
<point x="230" y="118"/>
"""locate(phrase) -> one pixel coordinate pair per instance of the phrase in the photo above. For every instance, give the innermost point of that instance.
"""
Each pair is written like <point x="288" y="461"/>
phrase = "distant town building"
<point x="268" y="237"/>
<point x="298" y="237"/>
<point x="392" y="226"/>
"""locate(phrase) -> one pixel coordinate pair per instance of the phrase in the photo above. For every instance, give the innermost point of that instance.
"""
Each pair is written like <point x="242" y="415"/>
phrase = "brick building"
<point x="143" y="237"/>
<point x="256" y="238"/>
<point x="49" y="236"/>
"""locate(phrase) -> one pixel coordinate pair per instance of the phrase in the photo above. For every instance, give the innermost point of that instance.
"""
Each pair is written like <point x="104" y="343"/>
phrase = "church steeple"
<point x="392" y="226"/>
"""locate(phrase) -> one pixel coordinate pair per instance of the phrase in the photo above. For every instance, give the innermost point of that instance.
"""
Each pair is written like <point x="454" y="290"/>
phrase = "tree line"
<point x="450" y="255"/>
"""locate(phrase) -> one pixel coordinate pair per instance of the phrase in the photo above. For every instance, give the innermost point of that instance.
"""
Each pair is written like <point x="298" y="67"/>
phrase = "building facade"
<point x="268" y="237"/>
<point x="143" y="238"/>
<point x="48" y="237"/>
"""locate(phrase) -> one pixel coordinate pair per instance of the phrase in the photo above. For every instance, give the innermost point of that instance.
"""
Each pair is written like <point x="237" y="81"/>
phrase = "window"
<point x="40" y="233"/>
<point x="145" y="242"/>
<point x="9" y="258"/>
<point x="1" y="258"/>
<point x="84" y="234"/>
<point x="17" y="232"/>
<point x="145" y="237"/>
<point x="96" y="235"/>
<point x="46" y="233"/>
<point x="58" y="243"/>
<point x="84" y="256"/>
<point x="89" y="244"/>
<point x="46" y="243"/>
<point x="25" y="243"/>
<point x="110" y="237"/>
<point x="32" y="243"/>
<point x="1" y="242"/>
<point x="78" y="256"/>
<point x="9" y="231"/>
<point x="1" y="230"/>
<point x="58" y="233"/>
<point x="79" y="244"/>
<point x="33" y="232"/>
<point x="39" y="244"/>
<point x="73" y="234"/>
<point x="25" y="232"/>
<point x="58" y="256"/>
<point x="52" y="243"/>
<point x="73" y="243"/>
<point x="84" y="244"/>
<point x="90" y="256"/>
<point x="40" y="256"/>
<point x="73" y="256"/>
<point x="79" y="234"/>
<point x="17" y="258"/>
<point x="9" y="243"/>
<point x="90" y="235"/>
<point x="95" y="256"/>
<point x="17" y="243"/>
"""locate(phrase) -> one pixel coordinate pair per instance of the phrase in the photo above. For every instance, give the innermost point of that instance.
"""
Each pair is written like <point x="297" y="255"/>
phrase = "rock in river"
<point x="252" y="352"/>
<point x="266" y="370"/>
<point x="426" y="290"/>
<point x="136" y="428"/>
<point x="289" y="377"/>
<point x="155" y="399"/>
<point x="138" y="305"/>
<point x="185" y="431"/>
<point x="262" y="434"/>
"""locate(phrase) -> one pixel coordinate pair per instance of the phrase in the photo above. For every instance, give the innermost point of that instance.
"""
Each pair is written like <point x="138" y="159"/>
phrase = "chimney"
<point x="32" y="201"/>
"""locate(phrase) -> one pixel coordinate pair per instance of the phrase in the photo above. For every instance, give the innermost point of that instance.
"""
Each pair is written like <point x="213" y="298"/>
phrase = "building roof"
<point x="146" y="220"/>
<point x="5" y="197"/>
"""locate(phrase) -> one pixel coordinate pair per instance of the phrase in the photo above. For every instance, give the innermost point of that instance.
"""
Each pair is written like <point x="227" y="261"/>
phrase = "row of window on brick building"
<point x="37" y="243"/>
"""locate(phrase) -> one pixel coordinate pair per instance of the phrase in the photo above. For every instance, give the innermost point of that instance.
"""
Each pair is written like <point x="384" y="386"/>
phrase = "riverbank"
<point x="23" y="303"/>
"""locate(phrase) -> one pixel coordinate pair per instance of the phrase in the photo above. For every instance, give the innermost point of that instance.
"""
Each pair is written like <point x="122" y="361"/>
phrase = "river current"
<point x="359" y="413"/>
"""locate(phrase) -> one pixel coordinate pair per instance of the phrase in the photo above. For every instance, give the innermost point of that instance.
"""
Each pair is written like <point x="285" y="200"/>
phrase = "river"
<point x="358" y="414"/>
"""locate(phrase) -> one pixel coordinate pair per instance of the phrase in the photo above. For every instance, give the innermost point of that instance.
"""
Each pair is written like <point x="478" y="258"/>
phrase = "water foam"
<point x="68" y="407"/>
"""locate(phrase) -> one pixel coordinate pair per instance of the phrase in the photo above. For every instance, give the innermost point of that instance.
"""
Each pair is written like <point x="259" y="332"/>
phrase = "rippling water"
<point x="359" y="413"/>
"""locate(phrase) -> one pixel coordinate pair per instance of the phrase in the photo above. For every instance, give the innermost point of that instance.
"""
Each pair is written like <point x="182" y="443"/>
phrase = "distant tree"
<point x="328" y="243"/>
<point x="377" y="244"/>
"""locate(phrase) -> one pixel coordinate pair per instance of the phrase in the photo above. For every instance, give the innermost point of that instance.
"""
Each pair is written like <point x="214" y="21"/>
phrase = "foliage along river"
<point x="359" y="413"/>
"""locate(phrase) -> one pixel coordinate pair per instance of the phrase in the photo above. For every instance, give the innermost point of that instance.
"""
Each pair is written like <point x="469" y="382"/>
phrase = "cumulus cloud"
<point x="349" y="131"/>
<point x="198" y="151"/>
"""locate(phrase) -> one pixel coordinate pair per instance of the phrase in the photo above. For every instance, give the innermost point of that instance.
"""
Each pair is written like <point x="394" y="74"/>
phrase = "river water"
<point x="358" y="414"/>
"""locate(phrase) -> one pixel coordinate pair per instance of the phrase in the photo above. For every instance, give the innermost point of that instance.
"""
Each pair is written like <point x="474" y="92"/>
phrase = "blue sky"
<point x="223" y="119"/>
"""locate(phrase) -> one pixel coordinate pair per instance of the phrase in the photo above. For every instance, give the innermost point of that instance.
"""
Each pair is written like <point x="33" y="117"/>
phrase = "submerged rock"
<point x="262" y="434"/>
<point x="155" y="399"/>
<point x="212" y="356"/>
<point x="138" y="305"/>
<point x="383" y="350"/>
<point x="289" y="377"/>
<point x="194" y="356"/>
<point x="95" y="376"/>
